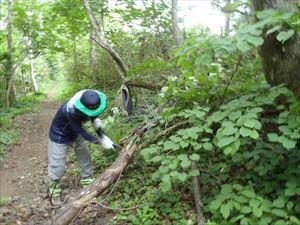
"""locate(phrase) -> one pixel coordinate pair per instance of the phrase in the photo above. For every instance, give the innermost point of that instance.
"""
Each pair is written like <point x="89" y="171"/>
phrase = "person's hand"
<point x="106" y="142"/>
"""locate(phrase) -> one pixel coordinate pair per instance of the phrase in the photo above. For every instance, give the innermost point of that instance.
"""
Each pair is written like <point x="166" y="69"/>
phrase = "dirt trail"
<point x="23" y="173"/>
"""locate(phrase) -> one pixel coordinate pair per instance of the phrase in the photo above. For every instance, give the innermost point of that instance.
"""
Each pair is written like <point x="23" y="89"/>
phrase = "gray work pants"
<point x="57" y="155"/>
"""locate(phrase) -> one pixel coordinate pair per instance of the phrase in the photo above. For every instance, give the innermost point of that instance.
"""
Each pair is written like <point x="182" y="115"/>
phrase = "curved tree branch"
<point x="101" y="40"/>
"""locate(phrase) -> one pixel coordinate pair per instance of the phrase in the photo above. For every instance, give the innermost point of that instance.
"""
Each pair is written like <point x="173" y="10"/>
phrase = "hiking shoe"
<point x="86" y="181"/>
<point x="54" y="189"/>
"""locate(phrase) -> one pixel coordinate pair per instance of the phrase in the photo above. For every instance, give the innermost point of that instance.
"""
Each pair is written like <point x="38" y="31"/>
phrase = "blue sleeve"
<point x="76" y="126"/>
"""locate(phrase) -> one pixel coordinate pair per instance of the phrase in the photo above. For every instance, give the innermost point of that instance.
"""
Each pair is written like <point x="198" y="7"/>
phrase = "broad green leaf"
<point x="245" y="132"/>
<point x="266" y="205"/>
<point x="174" y="174"/>
<point x="254" y="134"/>
<point x="207" y="146"/>
<point x="184" y="144"/>
<point x="194" y="173"/>
<point x="248" y="193"/>
<point x="182" y="176"/>
<point x="249" y="123"/>
<point x="257" y="212"/>
<point x="280" y="222"/>
<point x="182" y="157"/>
<point x="170" y="145"/>
<point x="156" y="159"/>
<point x="245" y="221"/>
<point x="235" y="146"/>
<point x="218" y="116"/>
<point x="285" y="35"/>
<point x="237" y="187"/>
<point x="195" y="157"/>
<point x="173" y="165"/>
<point x="256" y="41"/>
<point x="286" y="142"/>
<point x="254" y="203"/>
<point x="265" y="220"/>
<point x="237" y="205"/>
<point x="279" y="212"/>
<point x="274" y="29"/>
<point x="273" y="137"/>
<point x="240" y="199"/>
<point x="230" y="130"/>
<point x="225" y="210"/>
<point x="225" y="141"/>
<point x="246" y="210"/>
<point x="234" y="116"/>
<point x="290" y="192"/>
<point x="294" y="220"/>
<point x="163" y="169"/>
<point x="166" y="183"/>
<point x="215" y="204"/>
<point x="185" y="163"/>
<point x="243" y="46"/>
<point x="228" y="150"/>
<point x="279" y="203"/>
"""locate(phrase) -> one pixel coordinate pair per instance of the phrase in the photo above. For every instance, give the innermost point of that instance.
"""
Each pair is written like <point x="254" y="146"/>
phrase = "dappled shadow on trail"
<point x="23" y="174"/>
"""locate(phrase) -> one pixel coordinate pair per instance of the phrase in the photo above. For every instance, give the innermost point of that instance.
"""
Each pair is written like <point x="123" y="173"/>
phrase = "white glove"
<point x="97" y="123"/>
<point x="106" y="142"/>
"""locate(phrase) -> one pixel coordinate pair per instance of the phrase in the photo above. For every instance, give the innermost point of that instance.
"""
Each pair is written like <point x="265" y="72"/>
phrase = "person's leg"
<point x="56" y="166"/>
<point x="84" y="159"/>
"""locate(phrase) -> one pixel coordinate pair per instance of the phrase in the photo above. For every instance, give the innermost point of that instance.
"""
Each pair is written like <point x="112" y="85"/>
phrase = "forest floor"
<point x="23" y="175"/>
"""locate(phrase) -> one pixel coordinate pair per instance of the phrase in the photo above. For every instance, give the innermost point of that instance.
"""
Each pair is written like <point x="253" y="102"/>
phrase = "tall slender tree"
<point x="10" y="70"/>
<point x="176" y="30"/>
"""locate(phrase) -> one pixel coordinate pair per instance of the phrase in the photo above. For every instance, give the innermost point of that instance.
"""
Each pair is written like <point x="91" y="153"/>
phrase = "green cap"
<point x="92" y="112"/>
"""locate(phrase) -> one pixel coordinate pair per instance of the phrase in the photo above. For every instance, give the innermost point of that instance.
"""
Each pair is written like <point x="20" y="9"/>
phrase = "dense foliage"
<point x="242" y="133"/>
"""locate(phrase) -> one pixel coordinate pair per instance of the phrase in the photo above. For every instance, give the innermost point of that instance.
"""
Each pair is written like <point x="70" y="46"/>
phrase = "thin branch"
<point x="19" y="63"/>
<point x="231" y="77"/>
<point x="115" y="209"/>
<point x="113" y="188"/>
<point x="164" y="133"/>
<point x="224" y="10"/>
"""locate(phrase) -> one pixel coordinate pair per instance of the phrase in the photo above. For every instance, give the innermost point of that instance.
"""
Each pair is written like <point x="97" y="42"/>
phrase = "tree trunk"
<point x="280" y="61"/>
<point x="176" y="31"/>
<point x="197" y="197"/>
<point x="10" y="70"/>
<point x="101" y="40"/>
<point x="227" y="19"/>
<point x="32" y="74"/>
<point x="93" y="57"/>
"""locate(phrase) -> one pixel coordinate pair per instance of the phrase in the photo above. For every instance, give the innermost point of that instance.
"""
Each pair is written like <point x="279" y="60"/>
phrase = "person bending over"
<point x="66" y="130"/>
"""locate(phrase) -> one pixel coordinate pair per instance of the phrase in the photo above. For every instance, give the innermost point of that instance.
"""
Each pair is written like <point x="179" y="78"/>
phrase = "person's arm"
<point x="76" y="126"/>
<point x="105" y="141"/>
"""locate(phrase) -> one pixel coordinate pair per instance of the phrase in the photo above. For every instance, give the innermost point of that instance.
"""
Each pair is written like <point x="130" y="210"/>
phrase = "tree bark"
<point x="280" y="62"/>
<point x="197" y="197"/>
<point x="10" y="70"/>
<point x="32" y="74"/>
<point x="227" y="20"/>
<point x="176" y="31"/>
<point x="93" y="57"/>
<point x="101" y="40"/>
